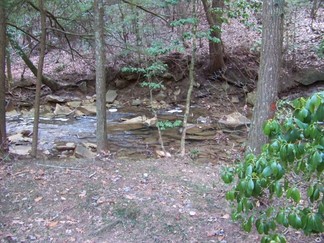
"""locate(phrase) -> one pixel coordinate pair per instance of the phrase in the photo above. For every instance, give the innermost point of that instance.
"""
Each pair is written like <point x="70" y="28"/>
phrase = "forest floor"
<point x="154" y="200"/>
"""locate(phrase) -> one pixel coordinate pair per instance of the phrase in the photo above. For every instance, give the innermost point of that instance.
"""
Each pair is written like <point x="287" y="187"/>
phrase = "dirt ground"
<point x="165" y="200"/>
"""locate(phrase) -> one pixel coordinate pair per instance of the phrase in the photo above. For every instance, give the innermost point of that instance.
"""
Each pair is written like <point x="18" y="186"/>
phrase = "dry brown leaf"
<point x="52" y="224"/>
<point x="37" y="199"/>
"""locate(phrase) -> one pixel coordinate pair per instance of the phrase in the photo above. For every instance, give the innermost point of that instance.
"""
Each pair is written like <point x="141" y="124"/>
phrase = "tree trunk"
<point x="101" y="133"/>
<point x="191" y="83"/>
<point x="54" y="86"/>
<point x="9" y="71"/>
<point x="39" y="77"/>
<point x="214" y="15"/>
<point x="269" y="72"/>
<point x="3" y="134"/>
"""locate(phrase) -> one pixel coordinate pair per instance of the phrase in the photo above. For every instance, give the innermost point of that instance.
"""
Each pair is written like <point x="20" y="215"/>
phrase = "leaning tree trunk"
<point x="269" y="71"/>
<point x="214" y="18"/>
<point x="3" y="135"/>
<point x="53" y="85"/>
<point x="101" y="133"/>
<point x="39" y="77"/>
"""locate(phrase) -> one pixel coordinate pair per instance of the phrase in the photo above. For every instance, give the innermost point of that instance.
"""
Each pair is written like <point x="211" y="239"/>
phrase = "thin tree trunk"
<point x="54" y="86"/>
<point x="214" y="19"/>
<point x="9" y="72"/>
<point x="39" y="77"/>
<point x="3" y="134"/>
<point x="191" y="83"/>
<point x="269" y="72"/>
<point x="101" y="133"/>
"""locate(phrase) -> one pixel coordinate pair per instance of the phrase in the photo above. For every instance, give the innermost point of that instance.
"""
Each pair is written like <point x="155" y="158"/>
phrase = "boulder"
<point x="111" y="95"/>
<point x="62" y="110"/>
<point x="234" y="120"/>
<point x="309" y="76"/>
<point x="88" y="110"/>
<point x="82" y="152"/>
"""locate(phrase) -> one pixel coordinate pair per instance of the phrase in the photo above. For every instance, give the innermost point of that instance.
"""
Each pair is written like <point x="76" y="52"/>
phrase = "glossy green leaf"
<point x="294" y="220"/>
<point x="278" y="189"/>
<point x="267" y="128"/>
<point x="267" y="171"/>
<point x="250" y="185"/>
<point x="247" y="225"/>
<point x="260" y="226"/>
<point x="295" y="195"/>
<point x="230" y="195"/>
<point x="248" y="170"/>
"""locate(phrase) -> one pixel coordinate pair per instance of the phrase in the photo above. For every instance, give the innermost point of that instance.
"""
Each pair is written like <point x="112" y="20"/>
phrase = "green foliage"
<point x="184" y="21"/>
<point x="287" y="175"/>
<point x="152" y="85"/>
<point x="163" y="125"/>
<point x="156" y="68"/>
<point x="243" y="9"/>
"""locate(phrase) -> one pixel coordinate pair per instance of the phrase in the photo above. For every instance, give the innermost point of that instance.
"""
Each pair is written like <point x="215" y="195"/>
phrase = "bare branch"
<point x="146" y="10"/>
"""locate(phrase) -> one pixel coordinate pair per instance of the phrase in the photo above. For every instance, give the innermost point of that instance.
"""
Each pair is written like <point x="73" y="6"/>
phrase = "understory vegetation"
<point x="283" y="186"/>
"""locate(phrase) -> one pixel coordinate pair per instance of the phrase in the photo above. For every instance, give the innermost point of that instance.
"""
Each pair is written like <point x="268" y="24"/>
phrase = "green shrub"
<point x="283" y="186"/>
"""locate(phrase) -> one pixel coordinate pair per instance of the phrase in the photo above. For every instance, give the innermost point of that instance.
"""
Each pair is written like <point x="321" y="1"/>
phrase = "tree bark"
<point x="39" y="77"/>
<point x="269" y="71"/>
<point x="214" y="17"/>
<point x="9" y="71"/>
<point x="3" y="134"/>
<point x="53" y="85"/>
<point x="191" y="83"/>
<point x="101" y="132"/>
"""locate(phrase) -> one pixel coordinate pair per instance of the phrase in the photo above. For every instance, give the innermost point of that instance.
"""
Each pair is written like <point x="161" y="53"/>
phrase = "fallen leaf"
<point x="225" y="216"/>
<point x="83" y="194"/>
<point x="37" y="199"/>
<point x="161" y="153"/>
<point x="101" y="200"/>
<point x="52" y="224"/>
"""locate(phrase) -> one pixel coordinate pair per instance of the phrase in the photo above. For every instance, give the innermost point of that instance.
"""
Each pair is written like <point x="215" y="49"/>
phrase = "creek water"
<point x="125" y="140"/>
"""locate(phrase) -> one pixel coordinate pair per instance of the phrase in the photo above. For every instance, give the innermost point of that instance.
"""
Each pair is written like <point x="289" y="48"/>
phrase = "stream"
<point x="123" y="139"/>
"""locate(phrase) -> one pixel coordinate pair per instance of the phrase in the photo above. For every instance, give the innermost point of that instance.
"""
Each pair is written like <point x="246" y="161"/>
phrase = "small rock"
<point x="83" y="87"/>
<point x="111" y="95"/>
<point x="31" y="237"/>
<point x="234" y="120"/>
<point x="192" y="213"/>
<point x="235" y="100"/>
<point x="12" y="113"/>
<point x="160" y="96"/>
<point x="83" y="152"/>
<point x="88" y="110"/>
<point x="74" y="104"/>
<point x="136" y="102"/>
<point x="162" y="154"/>
<point x="65" y="146"/>
<point x="204" y="120"/>
<point x="62" y="110"/>
<point x="55" y="99"/>
<point x="251" y="98"/>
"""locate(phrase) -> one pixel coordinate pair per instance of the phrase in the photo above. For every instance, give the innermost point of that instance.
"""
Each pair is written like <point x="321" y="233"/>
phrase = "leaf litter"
<point x="164" y="200"/>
